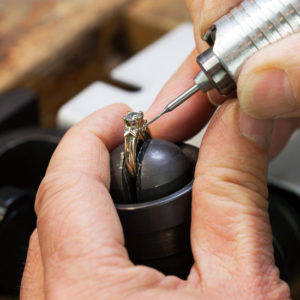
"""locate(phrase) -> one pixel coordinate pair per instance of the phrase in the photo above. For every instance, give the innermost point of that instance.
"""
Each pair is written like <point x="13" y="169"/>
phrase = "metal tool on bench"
<point x="246" y="29"/>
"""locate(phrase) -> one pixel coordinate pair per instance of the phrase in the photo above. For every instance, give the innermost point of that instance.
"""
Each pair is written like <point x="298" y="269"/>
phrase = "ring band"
<point x="133" y="134"/>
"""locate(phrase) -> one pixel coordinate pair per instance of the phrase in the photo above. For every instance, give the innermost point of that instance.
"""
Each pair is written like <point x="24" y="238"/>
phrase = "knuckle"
<point x="57" y="185"/>
<point x="49" y="186"/>
<point x="240" y="186"/>
<point x="54" y="188"/>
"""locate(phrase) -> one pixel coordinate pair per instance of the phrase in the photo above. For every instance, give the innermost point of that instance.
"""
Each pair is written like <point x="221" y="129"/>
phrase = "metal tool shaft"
<point x="178" y="101"/>
<point x="246" y="29"/>
<point x="182" y="98"/>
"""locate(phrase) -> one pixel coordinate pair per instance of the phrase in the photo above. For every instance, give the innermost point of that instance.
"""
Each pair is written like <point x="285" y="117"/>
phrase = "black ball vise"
<point x="151" y="185"/>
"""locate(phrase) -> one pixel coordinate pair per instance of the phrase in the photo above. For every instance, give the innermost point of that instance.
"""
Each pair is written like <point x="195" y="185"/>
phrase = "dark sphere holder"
<point x="157" y="232"/>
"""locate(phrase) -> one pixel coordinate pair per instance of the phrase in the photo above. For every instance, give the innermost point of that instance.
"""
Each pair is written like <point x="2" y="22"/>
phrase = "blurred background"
<point x="57" y="48"/>
<point x="51" y="50"/>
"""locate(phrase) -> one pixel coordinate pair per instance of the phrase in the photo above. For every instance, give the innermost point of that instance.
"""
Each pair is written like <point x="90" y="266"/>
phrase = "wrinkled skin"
<point x="77" y="251"/>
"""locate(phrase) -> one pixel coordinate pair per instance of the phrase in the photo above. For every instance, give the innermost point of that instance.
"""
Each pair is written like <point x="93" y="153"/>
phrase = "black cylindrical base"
<point x="157" y="232"/>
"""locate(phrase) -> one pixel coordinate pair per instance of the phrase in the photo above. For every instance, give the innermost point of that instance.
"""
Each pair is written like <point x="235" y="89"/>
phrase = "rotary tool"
<point x="246" y="29"/>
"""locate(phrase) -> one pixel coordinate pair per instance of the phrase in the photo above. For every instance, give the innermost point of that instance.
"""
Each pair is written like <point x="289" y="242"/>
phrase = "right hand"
<point x="78" y="250"/>
<point x="269" y="84"/>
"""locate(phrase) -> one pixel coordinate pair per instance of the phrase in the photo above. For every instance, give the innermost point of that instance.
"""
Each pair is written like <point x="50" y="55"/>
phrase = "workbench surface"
<point x="34" y="33"/>
<point x="43" y="43"/>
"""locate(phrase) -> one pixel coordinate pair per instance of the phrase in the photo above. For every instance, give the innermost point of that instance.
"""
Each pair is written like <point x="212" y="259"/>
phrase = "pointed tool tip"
<point x="150" y="122"/>
<point x="166" y="109"/>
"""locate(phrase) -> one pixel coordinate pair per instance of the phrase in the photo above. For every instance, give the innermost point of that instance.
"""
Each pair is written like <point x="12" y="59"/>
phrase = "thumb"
<point x="231" y="235"/>
<point x="269" y="86"/>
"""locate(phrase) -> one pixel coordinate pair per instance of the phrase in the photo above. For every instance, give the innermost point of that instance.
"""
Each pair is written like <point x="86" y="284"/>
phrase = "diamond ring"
<point x="134" y="135"/>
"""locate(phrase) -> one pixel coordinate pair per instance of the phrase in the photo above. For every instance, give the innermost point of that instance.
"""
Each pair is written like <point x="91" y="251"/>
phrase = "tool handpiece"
<point x="247" y="28"/>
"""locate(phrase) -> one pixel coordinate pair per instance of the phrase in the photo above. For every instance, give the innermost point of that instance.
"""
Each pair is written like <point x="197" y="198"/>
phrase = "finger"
<point x="79" y="231"/>
<point x="32" y="286"/>
<point x="204" y="13"/>
<point x="269" y="86"/>
<point x="231" y="235"/>
<point x="189" y="118"/>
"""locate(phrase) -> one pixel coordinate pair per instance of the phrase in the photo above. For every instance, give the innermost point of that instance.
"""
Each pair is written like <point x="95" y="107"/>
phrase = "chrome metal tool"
<point x="246" y="29"/>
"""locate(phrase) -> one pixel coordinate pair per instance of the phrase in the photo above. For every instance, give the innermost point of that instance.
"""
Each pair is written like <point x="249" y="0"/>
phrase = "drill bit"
<point x="175" y="103"/>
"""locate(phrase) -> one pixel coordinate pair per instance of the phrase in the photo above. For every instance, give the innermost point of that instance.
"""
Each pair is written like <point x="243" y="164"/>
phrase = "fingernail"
<point x="259" y="131"/>
<point x="268" y="94"/>
<point x="215" y="97"/>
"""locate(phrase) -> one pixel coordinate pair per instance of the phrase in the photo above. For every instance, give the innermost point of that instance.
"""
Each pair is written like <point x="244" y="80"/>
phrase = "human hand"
<point x="78" y="249"/>
<point x="268" y="86"/>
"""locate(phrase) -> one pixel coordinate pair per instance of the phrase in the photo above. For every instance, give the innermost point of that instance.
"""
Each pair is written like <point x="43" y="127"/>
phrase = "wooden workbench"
<point x="55" y="47"/>
<point x="147" y="20"/>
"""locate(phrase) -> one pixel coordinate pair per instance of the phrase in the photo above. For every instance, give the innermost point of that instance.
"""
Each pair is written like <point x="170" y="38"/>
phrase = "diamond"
<point x="132" y="116"/>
